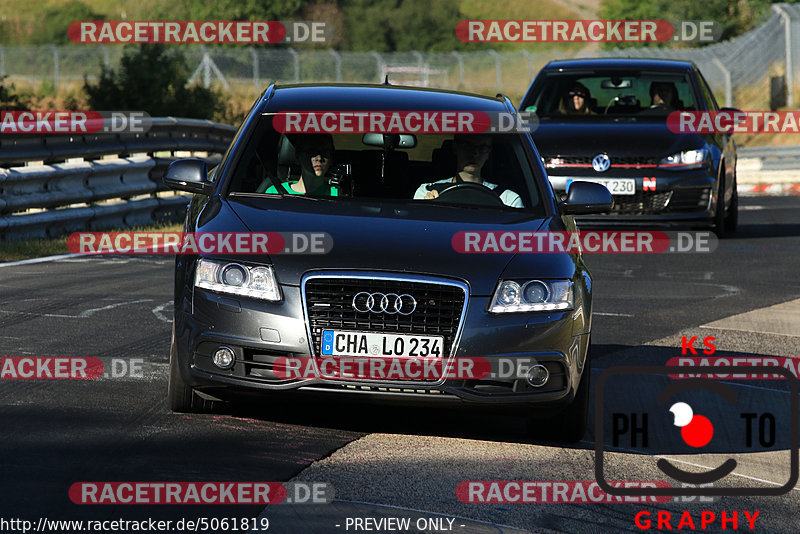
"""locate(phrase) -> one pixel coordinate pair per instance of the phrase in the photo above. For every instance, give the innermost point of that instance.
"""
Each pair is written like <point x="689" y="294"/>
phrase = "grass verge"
<point x="37" y="248"/>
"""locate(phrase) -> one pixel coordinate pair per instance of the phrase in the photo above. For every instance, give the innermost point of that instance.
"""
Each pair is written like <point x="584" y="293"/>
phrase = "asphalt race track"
<point x="394" y="462"/>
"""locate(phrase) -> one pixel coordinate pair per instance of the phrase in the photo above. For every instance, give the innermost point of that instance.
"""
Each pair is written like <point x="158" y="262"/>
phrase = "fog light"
<point x="224" y="358"/>
<point x="537" y="375"/>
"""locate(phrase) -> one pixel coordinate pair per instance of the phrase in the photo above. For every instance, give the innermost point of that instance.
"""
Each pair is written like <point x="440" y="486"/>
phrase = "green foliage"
<point x="229" y="9"/>
<point x="735" y="17"/>
<point x="154" y="80"/>
<point x="58" y="20"/>
<point x="10" y="100"/>
<point x="400" y="25"/>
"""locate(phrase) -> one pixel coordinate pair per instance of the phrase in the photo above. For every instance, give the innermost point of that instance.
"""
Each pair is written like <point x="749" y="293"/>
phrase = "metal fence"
<point x="738" y="70"/>
<point x="772" y="158"/>
<point x="75" y="185"/>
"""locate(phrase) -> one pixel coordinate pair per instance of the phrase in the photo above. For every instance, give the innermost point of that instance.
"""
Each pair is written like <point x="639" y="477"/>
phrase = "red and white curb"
<point x="768" y="189"/>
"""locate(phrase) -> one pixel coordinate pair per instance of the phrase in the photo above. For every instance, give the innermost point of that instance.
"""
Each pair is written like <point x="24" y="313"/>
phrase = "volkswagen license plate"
<point x="617" y="186"/>
<point x="344" y="343"/>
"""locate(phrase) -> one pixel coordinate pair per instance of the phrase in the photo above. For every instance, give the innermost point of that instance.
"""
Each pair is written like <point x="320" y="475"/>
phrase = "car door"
<point x="722" y="140"/>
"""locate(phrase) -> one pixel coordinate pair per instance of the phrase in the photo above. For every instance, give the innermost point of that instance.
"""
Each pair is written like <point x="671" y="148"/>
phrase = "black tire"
<point x="181" y="397"/>
<point x="570" y="425"/>
<point x="732" y="214"/>
<point x="719" y="215"/>
<point x="573" y="421"/>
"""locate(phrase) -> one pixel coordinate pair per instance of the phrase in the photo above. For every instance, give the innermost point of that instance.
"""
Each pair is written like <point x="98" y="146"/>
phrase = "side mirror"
<point x="585" y="198"/>
<point x="730" y="111"/>
<point x="189" y="175"/>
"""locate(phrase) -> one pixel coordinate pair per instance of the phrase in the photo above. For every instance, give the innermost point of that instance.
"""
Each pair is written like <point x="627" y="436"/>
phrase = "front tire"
<point x="732" y="214"/>
<point x="719" y="215"/>
<point x="181" y="397"/>
<point x="574" y="420"/>
<point x="569" y="425"/>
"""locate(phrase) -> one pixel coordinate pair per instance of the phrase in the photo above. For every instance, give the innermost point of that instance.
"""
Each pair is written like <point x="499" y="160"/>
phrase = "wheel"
<point x="573" y="420"/>
<point x="569" y="425"/>
<point x="732" y="213"/>
<point x="180" y="396"/>
<point x="719" y="215"/>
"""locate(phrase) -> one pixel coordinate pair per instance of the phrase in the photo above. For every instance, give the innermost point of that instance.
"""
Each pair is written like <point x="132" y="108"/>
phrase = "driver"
<point x="663" y="95"/>
<point x="471" y="152"/>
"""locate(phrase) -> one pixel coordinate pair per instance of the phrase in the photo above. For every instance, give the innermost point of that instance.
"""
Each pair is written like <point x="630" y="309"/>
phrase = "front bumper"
<point x="660" y="197"/>
<point x="262" y="333"/>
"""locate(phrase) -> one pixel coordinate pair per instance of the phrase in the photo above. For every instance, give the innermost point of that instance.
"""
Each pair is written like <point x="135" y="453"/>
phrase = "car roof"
<point x="621" y="63"/>
<point x="376" y="97"/>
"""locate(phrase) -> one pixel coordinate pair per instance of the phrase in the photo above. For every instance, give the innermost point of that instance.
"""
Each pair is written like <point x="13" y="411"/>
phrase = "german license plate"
<point x="617" y="186"/>
<point x="344" y="343"/>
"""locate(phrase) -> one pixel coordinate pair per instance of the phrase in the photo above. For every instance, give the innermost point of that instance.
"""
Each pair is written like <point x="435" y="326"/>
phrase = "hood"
<point x="382" y="236"/>
<point x="639" y="138"/>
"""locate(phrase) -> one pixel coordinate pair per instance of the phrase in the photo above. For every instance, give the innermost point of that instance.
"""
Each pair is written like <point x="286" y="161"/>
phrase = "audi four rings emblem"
<point x="390" y="303"/>
<point x="601" y="162"/>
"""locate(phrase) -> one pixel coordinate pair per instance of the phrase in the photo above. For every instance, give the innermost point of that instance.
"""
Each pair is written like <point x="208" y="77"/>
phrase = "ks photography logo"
<point x="696" y="416"/>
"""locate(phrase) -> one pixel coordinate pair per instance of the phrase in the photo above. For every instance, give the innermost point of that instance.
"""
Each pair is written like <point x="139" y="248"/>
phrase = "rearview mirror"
<point x="390" y="141"/>
<point x="616" y="83"/>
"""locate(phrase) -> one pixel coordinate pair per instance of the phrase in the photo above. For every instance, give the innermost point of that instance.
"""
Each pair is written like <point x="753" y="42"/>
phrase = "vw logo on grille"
<point x="390" y="303"/>
<point x="601" y="162"/>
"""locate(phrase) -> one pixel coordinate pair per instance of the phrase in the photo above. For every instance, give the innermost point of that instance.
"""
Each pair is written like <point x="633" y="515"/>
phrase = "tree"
<point x="58" y="20"/>
<point x="736" y="17"/>
<point x="154" y="80"/>
<point x="9" y="99"/>
<point x="401" y="25"/>
<point x="232" y="9"/>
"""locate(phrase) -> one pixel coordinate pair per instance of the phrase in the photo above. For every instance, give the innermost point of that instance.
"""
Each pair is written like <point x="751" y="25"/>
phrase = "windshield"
<point x="490" y="171"/>
<point x="611" y="94"/>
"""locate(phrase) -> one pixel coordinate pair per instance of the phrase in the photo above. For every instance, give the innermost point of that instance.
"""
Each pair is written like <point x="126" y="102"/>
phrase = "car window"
<point x="708" y="95"/>
<point x="610" y="94"/>
<point x="362" y="169"/>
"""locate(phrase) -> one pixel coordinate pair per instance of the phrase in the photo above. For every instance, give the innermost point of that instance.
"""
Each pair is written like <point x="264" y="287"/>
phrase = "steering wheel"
<point x="470" y="193"/>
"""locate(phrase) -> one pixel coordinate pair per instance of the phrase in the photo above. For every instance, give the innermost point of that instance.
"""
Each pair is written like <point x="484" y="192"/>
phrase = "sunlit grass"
<point x="37" y="248"/>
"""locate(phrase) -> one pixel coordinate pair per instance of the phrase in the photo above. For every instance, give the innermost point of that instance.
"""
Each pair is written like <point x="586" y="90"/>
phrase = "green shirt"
<point x="325" y="190"/>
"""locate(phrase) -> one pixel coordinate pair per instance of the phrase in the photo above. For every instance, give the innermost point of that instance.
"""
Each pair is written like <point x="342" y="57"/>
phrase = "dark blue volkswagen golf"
<point x="390" y="278"/>
<point x="605" y="121"/>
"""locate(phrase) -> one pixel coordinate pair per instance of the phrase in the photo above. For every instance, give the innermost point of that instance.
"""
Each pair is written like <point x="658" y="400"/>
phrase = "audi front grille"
<point x="328" y="301"/>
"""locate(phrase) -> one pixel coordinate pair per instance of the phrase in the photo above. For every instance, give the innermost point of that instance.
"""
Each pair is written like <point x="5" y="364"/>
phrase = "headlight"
<point x="256" y="281"/>
<point x="688" y="159"/>
<point x="532" y="295"/>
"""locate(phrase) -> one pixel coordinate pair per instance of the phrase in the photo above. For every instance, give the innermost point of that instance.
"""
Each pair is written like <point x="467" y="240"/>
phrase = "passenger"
<point x="576" y="101"/>
<point x="315" y="154"/>
<point x="663" y="95"/>
<point x="471" y="152"/>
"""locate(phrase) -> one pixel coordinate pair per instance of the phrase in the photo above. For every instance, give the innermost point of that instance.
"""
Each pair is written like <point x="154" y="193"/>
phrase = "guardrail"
<point x="772" y="158"/>
<point x="69" y="185"/>
<point x="51" y="184"/>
